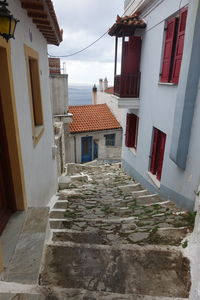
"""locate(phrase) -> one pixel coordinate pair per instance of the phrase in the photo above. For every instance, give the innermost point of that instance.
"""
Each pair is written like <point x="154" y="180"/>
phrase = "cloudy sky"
<point x="84" y="21"/>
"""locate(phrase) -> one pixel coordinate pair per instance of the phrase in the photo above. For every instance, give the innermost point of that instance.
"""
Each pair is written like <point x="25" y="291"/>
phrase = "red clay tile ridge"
<point x="125" y="26"/>
<point x="109" y="90"/>
<point x="88" y="118"/>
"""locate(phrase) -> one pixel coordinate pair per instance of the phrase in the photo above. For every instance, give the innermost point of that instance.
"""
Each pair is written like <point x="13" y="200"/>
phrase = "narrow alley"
<point x="111" y="239"/>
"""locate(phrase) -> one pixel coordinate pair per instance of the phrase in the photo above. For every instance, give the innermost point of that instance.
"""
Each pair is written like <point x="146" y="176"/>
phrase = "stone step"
<point x="130" y="187"/>
<point x="128" y="269"/>
<point x="15" y="291"/>
<point x="139" y="193"/>
<point x="123" y="234"/>
<point x="148" y="199"/>
<point x="79" y="294"/>
<point x="25" y="263"/>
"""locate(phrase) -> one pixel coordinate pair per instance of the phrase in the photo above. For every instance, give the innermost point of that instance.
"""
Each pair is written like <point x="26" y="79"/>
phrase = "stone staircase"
<point x="112" y="239"/>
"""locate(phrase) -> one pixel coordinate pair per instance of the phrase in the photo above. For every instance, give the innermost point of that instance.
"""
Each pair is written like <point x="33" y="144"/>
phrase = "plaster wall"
<point x="73" y="151"/>
<point x="157" y="106"/>
<point x="38" y="163"/>
<point x="112" y="103"/>
<point x="59" y="93"/>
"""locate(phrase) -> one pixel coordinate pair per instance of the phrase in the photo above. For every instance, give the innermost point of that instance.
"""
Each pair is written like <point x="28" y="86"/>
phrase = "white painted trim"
<point x="133" y="150"/>
<point x="167" y="83"/>
<point x="153" y="178"/>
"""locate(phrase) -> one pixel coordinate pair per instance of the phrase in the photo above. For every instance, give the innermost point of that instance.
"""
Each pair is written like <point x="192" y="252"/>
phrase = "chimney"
<point x="94" y="95"/>
<point x="101" y="85"/>
<point x="54" y="66"/>
<point x="105" y="84"/>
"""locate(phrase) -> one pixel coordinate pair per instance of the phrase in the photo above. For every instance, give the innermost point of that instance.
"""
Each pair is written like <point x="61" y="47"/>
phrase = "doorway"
<point x="12" y="187"/>
<point x="86" y="149"/>
<point x="7" y="204"/>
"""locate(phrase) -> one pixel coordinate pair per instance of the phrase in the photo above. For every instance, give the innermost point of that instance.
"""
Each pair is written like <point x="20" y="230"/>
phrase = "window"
<point x="109" y="139"/>
<point x="132" y="123"/>
<point x="173" y="48"/>
<point x="158" y="149"/>
<point x="32" y="60"/>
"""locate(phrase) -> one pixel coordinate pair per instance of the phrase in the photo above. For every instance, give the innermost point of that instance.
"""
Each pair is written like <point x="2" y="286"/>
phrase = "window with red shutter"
<point x="132" y="122"/>
<point x="157" y="156"/>
<point x="179" y="46"/>
<point x="168" y="50"/>
<point x="173" y="48"/>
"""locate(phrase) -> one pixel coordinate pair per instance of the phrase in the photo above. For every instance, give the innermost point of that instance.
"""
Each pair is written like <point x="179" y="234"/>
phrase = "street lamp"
<point x="7" y="22"/>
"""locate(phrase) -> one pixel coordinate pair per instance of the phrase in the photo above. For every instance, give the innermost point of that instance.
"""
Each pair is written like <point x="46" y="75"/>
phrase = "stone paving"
<point x="109" y="234"/>
<point x="105" y="206"/>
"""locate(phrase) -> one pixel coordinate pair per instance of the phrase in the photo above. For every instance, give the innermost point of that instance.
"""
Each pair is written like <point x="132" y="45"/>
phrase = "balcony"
<point x="127" y="86"/>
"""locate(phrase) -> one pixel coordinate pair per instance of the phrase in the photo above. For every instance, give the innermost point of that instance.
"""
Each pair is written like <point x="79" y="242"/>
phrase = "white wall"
<point x="112" y="103"/>
<point x="157" y="105"/>
<point x="104" y="152"/>
<point x="39" y="166"/>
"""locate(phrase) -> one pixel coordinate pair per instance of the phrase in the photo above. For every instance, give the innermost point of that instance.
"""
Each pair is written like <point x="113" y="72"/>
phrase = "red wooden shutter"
<point x="179" y="46"/>
<point x="168" y="50"/>
<point x="131" y="126"/>
<point x="162" y="138"/>
<point x="154" y="151"/>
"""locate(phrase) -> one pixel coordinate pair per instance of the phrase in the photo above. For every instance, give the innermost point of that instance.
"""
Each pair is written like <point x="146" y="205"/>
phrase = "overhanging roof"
<point x="43" y="15"/>
<point x="125" y="26"/>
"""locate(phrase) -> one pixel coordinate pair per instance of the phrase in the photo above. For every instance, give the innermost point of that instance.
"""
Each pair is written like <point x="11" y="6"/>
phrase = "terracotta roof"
<point x="125" y="26"/>
<point x="109" y="90"/>
<point x="92" y="118"/>
<point x="43" y="15"/>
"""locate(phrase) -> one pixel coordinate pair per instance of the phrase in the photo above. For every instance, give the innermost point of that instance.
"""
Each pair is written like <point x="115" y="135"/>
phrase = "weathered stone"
<point x="138" y="236"/>
<point x="163" y="272"/>
<point x="63" y="182"/>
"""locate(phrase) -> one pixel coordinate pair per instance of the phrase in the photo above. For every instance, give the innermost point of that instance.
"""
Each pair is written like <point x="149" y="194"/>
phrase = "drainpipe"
<point x="75" y="148"/>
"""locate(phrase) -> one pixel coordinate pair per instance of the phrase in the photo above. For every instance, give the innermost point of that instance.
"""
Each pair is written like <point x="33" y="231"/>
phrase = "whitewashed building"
<point x="158" y="90"/>
<point x="94" y="133"/>
<point x="28" y="175"/>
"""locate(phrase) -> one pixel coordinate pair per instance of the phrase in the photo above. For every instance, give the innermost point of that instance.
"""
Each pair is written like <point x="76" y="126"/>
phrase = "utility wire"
<point x="77" y="52"/>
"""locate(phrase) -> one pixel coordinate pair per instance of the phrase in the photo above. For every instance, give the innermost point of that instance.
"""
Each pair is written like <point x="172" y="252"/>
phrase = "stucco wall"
<point x="38" y="163"/>
<point x="104" y="152"/>
<point x="112" y="103"/>
<point x="157" y="106"/>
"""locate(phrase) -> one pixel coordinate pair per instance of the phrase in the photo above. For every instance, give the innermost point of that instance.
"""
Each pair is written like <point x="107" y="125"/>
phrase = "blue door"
<point x="86" y="149"/>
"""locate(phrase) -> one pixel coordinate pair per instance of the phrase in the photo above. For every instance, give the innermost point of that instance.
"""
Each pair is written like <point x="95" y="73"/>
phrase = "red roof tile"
<point x="92" y="118"/>
<point x="125" y="26"/>
<point x="109" y="90"/>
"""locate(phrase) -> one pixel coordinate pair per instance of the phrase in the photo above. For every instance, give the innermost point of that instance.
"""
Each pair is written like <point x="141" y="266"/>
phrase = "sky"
<point x="84" y="21"/>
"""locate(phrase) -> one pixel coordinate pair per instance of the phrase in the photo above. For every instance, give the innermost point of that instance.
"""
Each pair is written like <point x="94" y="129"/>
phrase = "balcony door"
<point x="131" y="52"/>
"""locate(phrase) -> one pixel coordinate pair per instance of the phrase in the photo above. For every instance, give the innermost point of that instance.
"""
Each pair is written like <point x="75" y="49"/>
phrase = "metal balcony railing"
<point x="127" y="86"/>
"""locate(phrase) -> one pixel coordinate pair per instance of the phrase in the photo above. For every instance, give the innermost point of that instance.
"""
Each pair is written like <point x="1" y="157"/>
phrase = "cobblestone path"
<point x="112" y="239"/>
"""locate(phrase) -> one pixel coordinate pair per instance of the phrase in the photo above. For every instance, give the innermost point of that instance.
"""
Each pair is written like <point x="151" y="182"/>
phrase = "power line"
<point x="77" y="52"/>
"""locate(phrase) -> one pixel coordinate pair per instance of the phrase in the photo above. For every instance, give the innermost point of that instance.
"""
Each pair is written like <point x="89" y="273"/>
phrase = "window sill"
<point x="37" y="134"/>
<point x="153" y="178"/>
<point x="133" y="150"/>
<point x="166" y="83"/>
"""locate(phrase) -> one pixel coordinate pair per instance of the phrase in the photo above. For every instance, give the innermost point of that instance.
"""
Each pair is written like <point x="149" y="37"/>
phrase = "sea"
<point x="80" y="94"/>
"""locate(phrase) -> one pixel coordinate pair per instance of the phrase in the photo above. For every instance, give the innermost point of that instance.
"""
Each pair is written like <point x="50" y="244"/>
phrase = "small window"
<point x="157" y="155"/>
<point x="173" y="48"/>
<point x="109" y="139"/>
<point x="132" y="123"/>
<point x="32" y="59"/>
